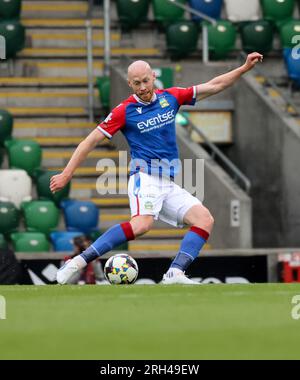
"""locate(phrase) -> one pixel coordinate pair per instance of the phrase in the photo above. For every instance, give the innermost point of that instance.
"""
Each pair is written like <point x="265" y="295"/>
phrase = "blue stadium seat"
<point x="211" y="8"/>
<point x="293" y="65"/>
<point x="63" y="240"/>
<point x="80" y="215"/>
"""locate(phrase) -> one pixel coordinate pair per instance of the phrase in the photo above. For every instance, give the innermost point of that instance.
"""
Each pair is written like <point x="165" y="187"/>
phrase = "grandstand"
<point x="64" y="69"/>
<point x="53" y="91"/>
<point x="53" y="101"/>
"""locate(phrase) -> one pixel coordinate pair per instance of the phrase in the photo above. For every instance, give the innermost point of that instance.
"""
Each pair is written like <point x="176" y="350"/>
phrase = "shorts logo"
<point x="148" y="205"/>
<point x="163" y="103"/>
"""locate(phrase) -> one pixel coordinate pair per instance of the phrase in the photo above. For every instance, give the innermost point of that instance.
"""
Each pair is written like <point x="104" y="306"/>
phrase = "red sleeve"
<point x="184" y="95"/>
<point x="113" y="122"/>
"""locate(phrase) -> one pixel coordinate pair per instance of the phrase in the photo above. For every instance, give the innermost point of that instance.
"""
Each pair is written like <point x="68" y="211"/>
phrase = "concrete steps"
<point x="57" y="68"/>
<point x="157" y="246"/>
<point x="50" y="9"/>
<point x="90" y="171"/>
<point x="54" y="129"/>
<point x="32" y="112"/>
<point x="47" y="38"/>
<point x="46" y="97"/>
<point x="59" y="141"/>
<point x="59" y="23"/>
<point x="89" y="188"/>
<point x="39" y="81"/>
<point x="59" y="157"/>
<point x="108" y="201"/>
<point x="82" y="52"/>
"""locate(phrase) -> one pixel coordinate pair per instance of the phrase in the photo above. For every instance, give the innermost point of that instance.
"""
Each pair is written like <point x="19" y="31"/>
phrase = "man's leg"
<point x="201" y="222"/>
<point x="112" y="238"/>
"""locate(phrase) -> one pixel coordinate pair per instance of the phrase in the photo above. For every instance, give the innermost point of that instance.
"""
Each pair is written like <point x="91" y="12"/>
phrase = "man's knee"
<point x="209" y="218"/>
<point x="200" y="216"/>
<point x="141" y="224"/>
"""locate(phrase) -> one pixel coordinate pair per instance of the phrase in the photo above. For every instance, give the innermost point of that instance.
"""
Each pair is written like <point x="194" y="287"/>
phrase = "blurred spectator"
<point x="93" y="272"/>
<point x="10" y="268"/>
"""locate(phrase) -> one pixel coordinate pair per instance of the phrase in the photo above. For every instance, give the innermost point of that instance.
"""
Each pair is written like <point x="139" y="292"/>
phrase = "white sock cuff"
<point x="81" y="263"/>
<point x="174" y="271"/>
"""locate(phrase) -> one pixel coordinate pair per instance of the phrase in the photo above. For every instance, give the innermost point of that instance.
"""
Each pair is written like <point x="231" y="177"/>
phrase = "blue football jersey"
<point x="150" y="129"/>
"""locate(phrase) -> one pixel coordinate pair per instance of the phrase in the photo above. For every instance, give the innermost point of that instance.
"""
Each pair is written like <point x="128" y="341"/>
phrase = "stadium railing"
<point x="216" y="153"/>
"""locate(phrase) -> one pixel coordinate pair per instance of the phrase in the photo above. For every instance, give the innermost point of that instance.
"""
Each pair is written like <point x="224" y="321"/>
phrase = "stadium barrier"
<point x="213" y="266"/>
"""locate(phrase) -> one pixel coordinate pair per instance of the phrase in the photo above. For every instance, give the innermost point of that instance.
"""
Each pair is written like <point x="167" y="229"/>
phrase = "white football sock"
<point x="80" y="262"/>
<point x="173" y="272"/>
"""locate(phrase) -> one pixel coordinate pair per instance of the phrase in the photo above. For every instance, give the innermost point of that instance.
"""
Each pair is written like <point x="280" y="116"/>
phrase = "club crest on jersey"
<point x="139" y="110"/>
<point x="163" y="103"/>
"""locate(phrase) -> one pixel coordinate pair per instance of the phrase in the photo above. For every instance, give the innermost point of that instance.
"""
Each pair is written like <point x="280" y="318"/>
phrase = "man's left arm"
<point x="221" y="82"/>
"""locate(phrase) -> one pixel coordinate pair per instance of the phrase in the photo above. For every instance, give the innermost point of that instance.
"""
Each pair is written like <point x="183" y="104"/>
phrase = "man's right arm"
<point x="59" y="181"/>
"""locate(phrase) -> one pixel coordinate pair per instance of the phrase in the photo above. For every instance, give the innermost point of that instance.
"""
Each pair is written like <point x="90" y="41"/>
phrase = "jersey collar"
<point x="154" y="97"/>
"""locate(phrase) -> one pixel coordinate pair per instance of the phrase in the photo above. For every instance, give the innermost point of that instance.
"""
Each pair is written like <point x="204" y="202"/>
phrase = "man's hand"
<point x="58" y="182"/>
<point x="252" y="60"/>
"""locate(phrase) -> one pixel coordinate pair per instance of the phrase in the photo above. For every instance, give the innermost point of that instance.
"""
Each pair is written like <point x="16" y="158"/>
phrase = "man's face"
<point x="142" y="84"/>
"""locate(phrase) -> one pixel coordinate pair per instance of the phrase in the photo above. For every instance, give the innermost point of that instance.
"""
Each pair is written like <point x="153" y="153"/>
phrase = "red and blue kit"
<point x="149" y="128"/>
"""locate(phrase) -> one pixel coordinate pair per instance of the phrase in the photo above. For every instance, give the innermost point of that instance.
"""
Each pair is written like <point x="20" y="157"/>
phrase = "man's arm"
<point x="59" y="181"/>
<point x="221" y="82"/>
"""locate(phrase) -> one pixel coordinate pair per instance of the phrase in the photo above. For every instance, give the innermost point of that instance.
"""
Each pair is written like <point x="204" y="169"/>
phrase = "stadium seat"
<point x="292" y="66"/>
<point x="221" y="39"/>
<point x="6" y="126"/>
<point x="9" y="217"/>
<point x="165" y="12"/>
<point x="132" y="12"/>
<point x="211" y="8"/>
<point x="10" y="9"/>
<point x="257" y="36"/>
<point x="63" y="240"/>
<point x="30" y="242"/>
<point x="242" y="10"/>
<point x="14" y="34"/>
<point x="24" y="154"/>
<point x="15" y="186"/>
<point x="3" y="242"/>
<point x="80" y="215"/>
<point x="42" y="181"/>
<point x="103" y="84"/>
<point x="288" y="30"/>
<point x="182" y="38"/>
<point x="164" y="77"/>
<point x="278" y="10"/>
<point x="40" y="216"/>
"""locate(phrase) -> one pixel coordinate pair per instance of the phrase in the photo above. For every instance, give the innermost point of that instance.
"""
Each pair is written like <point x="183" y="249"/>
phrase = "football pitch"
<point x="249" y="321"/>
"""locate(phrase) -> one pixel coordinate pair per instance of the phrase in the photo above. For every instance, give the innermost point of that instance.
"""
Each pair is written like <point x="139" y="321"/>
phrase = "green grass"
<point x="150" y="322"/>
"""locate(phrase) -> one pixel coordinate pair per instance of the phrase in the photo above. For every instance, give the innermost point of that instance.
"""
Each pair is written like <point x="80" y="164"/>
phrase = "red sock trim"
<point x="204" y="234"/>
<point x="126" y="227"/>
